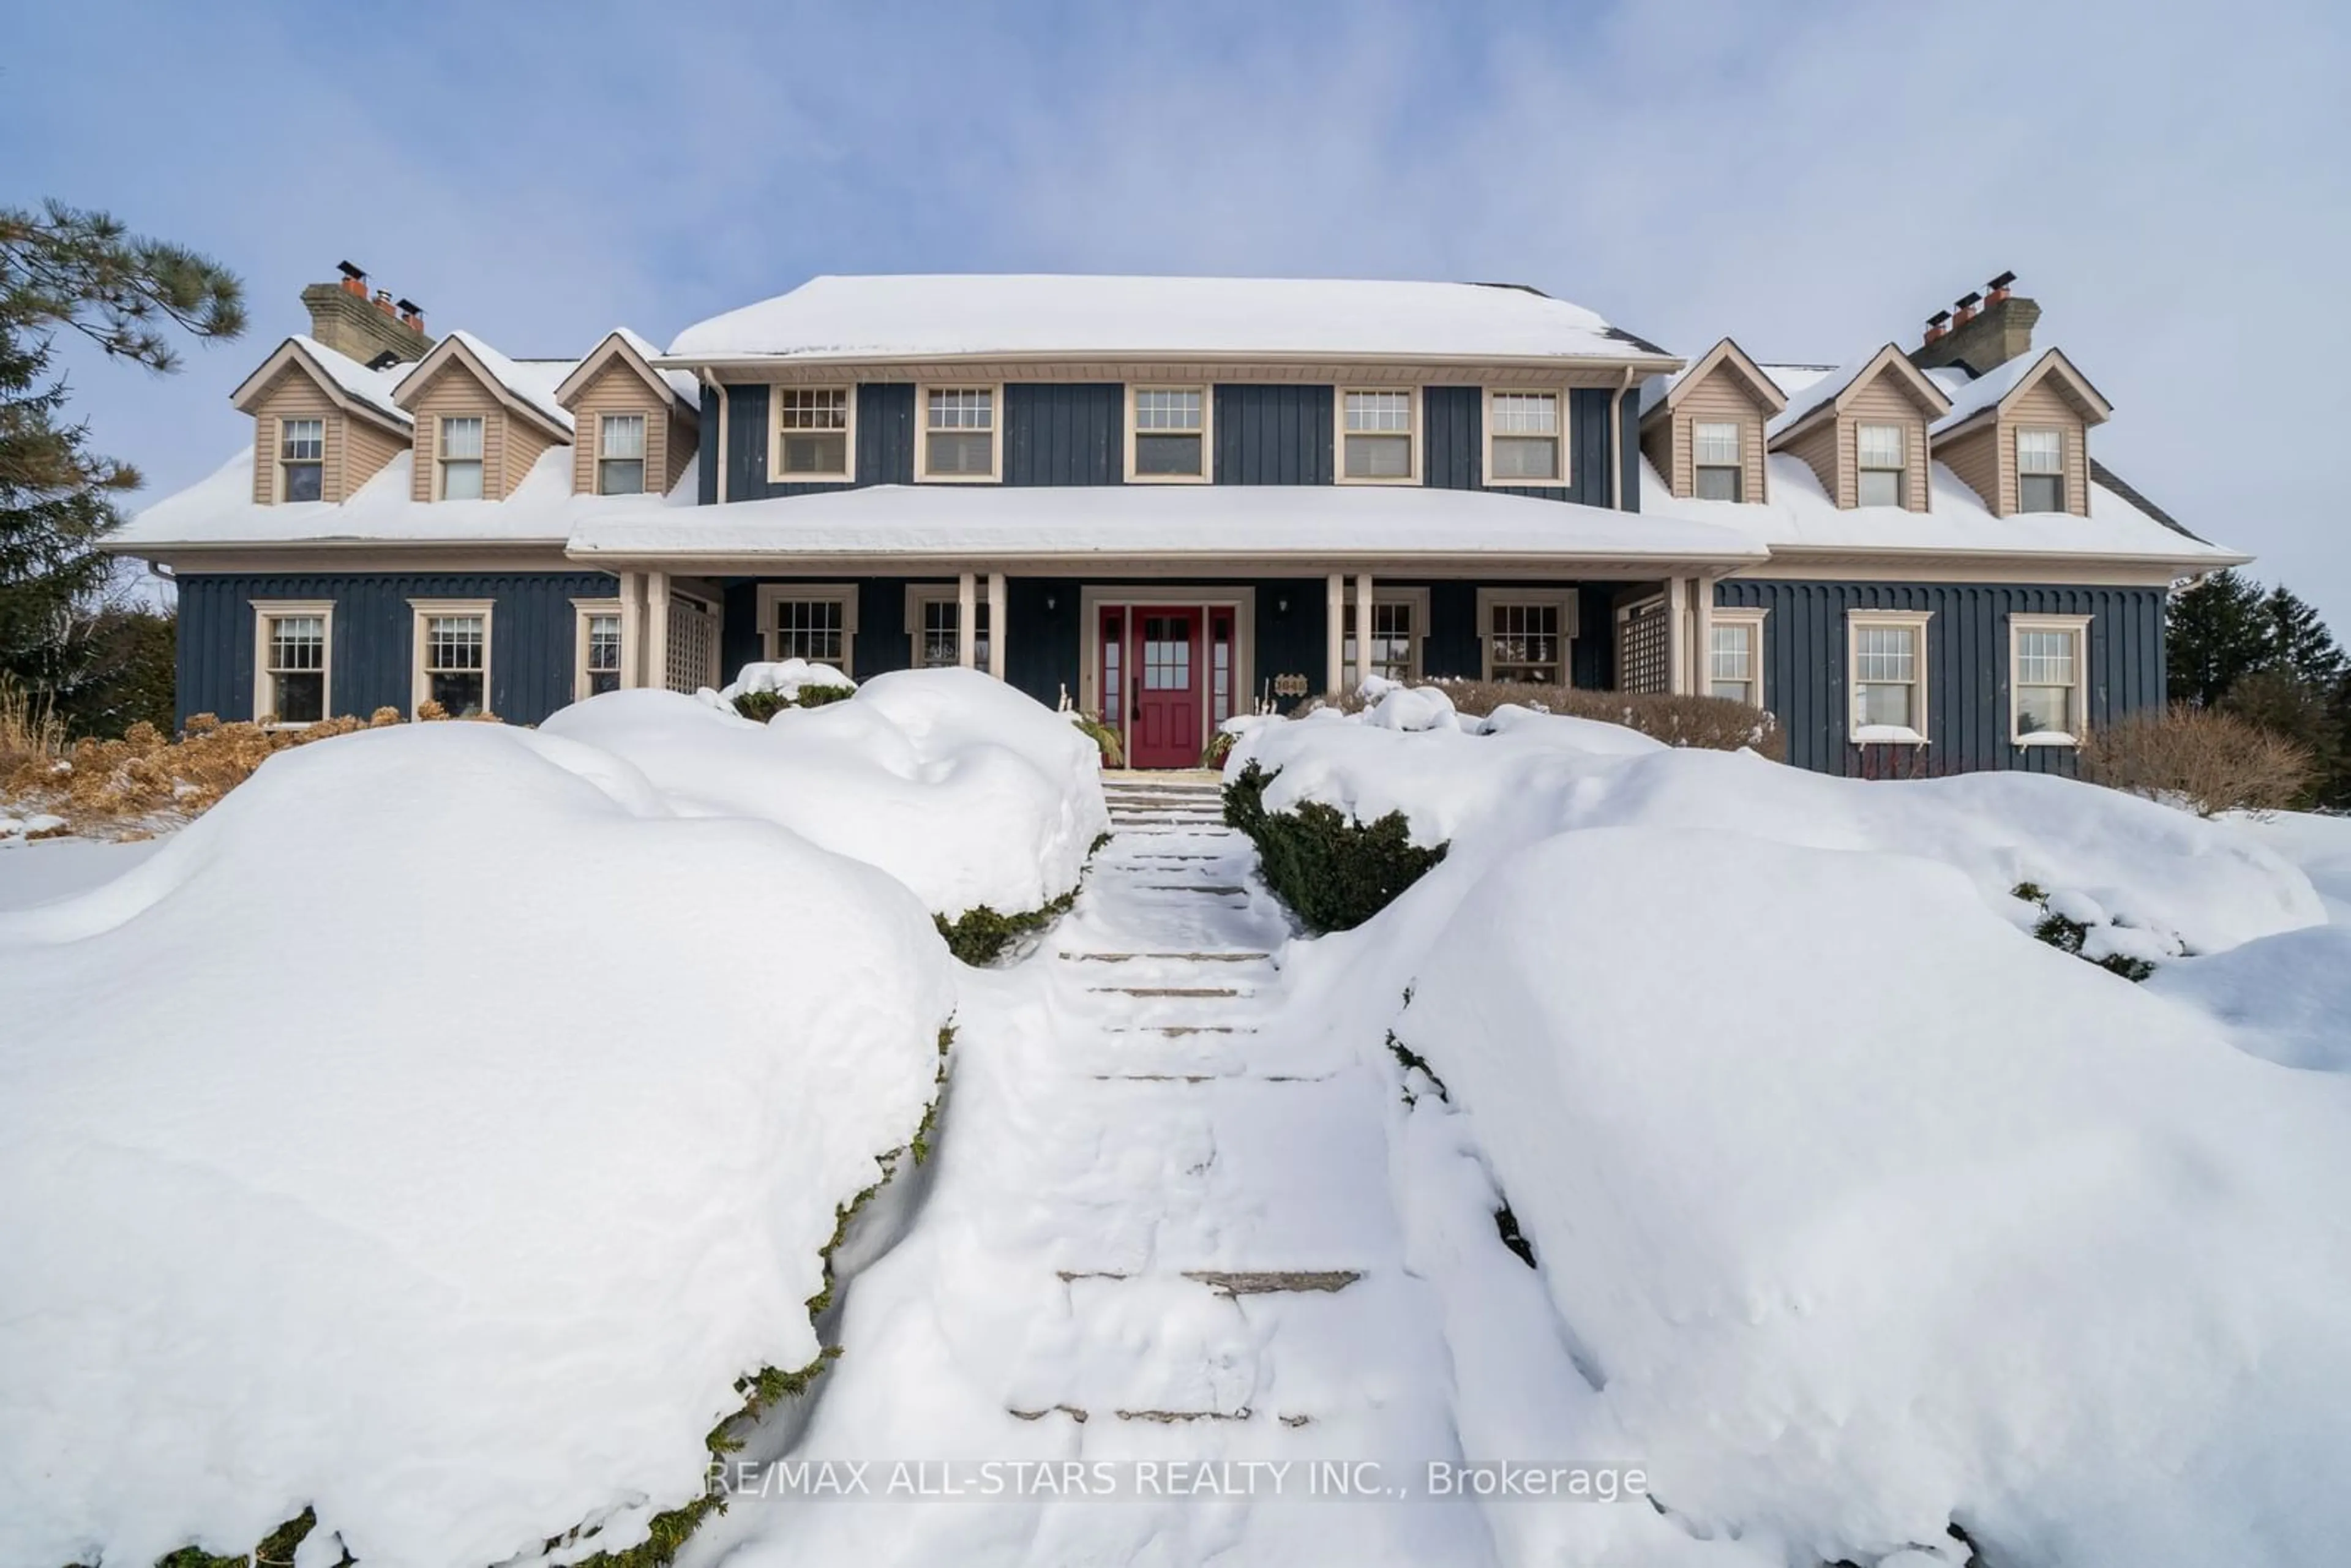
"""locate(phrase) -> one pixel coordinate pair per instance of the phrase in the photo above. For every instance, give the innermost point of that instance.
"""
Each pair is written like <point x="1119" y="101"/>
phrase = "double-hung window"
<point x="1170" y="427"/>
<point x="937" y="624"/>
<point x="1883" y="469"/>
<point x="959" y="432"/>
<point x="461" y="459"/>
<point x="453" y="655"/>
<point x="1735" y="657"/>
<point x="2047" y="657"/>
<point x="621" y="454"/>
<point x="294" y="644"/>
<point x="1523" y="445"/>
<point x="302" y="459"/>
<point x="1888" y="676"/>
<point x="812" y="433"/>
<point x="1715" y="453"/>
<point x="1378" y="441"/>
<point x="1398" y="621"/>
<point x="816" y="622"/>
<point x="2040" y="470"/>
<point x="1527" y="635"/>
<point x="597" y="631"/>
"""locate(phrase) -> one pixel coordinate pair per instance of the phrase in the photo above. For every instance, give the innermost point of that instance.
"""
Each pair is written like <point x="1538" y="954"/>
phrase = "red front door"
<point x="1166" y="687"/>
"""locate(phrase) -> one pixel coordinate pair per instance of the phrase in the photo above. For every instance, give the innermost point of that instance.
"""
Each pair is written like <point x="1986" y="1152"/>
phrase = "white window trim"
<point x="1339" y="434"/>
<point x="581" y="610"/>
<point x="1486" y="422"/>
<point x="1208" y="474"/>
<point x="440" y="459"/>
<point x="1417" y="600"/>
<point x="1902" y="473"/>
<point x="778" y="474"/>
<point x="1916" y="619"/>
<point x="920" y="594"/>
<point x="923" y="475"/>
<point x="1566" y="598"/>
<point x="645" y="459"/>
<point x="278" y="467"/>
<point x="1753" y="620"/>
<point x="2079" y="626"/>
<point x="420" y="687"/>
<point x="2016" y="461"/>
<point x="1737" y="465"/>
<point x="264" y="610"/>
<point x="771" y="594"/>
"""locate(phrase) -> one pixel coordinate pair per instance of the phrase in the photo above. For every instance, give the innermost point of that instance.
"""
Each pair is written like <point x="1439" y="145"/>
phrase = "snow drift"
<point x="1864" y="1213"/>
<point x="958" y="785"/>
<point x="431" y="1133"/>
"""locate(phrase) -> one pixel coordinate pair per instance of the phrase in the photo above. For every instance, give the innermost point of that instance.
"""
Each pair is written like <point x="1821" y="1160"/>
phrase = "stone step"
<point x="1236" y="957"/>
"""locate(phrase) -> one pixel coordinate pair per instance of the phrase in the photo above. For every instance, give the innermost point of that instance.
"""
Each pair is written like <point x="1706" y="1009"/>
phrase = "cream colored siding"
<point x="1718" y="400"/>
<point x="684" y="435"/>
<point x="294" y="395"/>
<point x="525" y="442"/>
<point x="1975" y="457"/>
<point x="366" y="451"/>
<point x="1818" y="448"/>
<point x="2041" y="407"/>
<point x="454" y="393"/>
<point x="1883" y="401"/>
<point x="617" y="389"/>
<point x="1657" y="446"/>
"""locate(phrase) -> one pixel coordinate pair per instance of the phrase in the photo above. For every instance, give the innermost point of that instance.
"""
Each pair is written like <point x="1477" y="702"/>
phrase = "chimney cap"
<point x="1939" y="319"/>
<point x="2003" y="281"/>
<point x="349" y="270"/>
<point x="1968" y="300"/>
<point x="410" y="305"/>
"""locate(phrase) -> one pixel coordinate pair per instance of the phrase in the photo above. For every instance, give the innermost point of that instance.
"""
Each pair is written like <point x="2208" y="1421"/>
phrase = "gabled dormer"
<point x="2019" y="435"/>
<point x="1704" y="429"/>
<point x="1862" y="429"/>
<point x="482" y="419"/>
<point x="635" y="428"/>
<point x="324" y="424"/>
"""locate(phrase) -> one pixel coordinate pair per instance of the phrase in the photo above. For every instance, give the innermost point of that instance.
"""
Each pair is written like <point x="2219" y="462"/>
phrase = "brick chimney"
<point x="1991" y="328"/>
<point x="350" y="320"/>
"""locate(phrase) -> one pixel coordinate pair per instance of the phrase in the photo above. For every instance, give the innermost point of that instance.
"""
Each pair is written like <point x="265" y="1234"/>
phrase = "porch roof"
<point x="1197" y="526"/>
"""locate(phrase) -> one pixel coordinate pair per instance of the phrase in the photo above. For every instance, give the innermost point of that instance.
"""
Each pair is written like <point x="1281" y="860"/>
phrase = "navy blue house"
<point x="1171" y="500"/>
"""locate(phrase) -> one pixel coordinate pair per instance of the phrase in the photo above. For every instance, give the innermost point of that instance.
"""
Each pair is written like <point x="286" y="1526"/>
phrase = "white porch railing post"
<point x="1362" y="627"/>
<point x="657" y="629"/>
<point x="1335" y="677"/>
<point x="996" y="624"/>
<point x="966" y="620"/>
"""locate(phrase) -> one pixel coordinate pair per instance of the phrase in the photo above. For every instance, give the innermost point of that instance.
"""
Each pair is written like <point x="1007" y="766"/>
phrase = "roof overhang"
<point x="617" y="347"/>
<point x="453" y="349"/>
<point x="757" y="365"/>
<point x="2125" y="569"/>
<point x="1728" y="355"/>
<point x="292" y="354"/>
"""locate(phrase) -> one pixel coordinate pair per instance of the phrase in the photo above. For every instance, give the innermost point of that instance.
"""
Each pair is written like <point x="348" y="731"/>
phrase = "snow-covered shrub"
<point x="401" y="1140"/>
<point x="1334" y="873"/>
<point x="2074" y="923"/>
<point x="2210" y="761"/>
<point x="1709" y="722"/>
<point x="961" y="787"/>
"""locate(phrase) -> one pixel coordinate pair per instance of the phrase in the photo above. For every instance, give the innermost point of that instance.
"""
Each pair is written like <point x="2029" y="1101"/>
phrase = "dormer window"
<point x="1882" y="469"/>
<point x="1721" y="467"/>
<point x="621" y="454"/>
<point x="2040" y="471"/>
<point x="461" y="459"/>
<point x="301" y="459"/>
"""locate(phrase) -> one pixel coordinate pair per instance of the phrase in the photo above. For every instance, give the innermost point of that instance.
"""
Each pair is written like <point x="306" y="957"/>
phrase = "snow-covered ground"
<point x="1856" y="1213"/>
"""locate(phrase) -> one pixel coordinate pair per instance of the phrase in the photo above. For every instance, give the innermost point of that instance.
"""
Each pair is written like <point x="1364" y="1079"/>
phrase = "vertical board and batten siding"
<point x="884" y="437"/>
<point x="1273" y="433"/>
<point x="372" y="656"/>
<point x="1967" y="677"/>
<point x="1064" y="432"/>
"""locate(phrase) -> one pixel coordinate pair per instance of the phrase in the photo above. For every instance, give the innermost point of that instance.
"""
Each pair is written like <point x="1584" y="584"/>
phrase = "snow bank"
<point x="1863" y="1213"/>
<point x="431" y="1134"/>
<point x="963" y="789"/>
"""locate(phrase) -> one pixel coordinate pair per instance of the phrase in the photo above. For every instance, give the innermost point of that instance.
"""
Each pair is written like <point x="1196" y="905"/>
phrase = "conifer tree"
<point x="2213" y="635"/>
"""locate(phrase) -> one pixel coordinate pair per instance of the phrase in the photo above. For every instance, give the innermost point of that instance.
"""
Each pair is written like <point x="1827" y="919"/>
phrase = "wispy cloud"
<point x="1812" y="178"/>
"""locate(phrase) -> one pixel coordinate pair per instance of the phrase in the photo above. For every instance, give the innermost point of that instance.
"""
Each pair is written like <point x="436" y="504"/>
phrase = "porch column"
<point x="966" y="620"/>
<point x="995" y="625"/>
<point x="657" y="629"/>
<point x="1702" y="636"/>
<point x="1678" y="674"/>
<point x="633" y="631"/>
<point x="1362" y="627"/>
<point x="1334" y="676"/>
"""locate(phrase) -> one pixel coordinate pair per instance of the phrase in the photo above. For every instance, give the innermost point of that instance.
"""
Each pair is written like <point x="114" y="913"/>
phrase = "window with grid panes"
<point x="621" y="454"/>
<point x="1524" y="643"/>
<point x="456" y="662"/>
<point x="1393" y="648"/>
<point x="1731" y="671"/>
<point x="809" y="629"/>
<point x="959" y="431"/>
<point x="2047" y="678"/>
<point x="1170" y="440"/>
<point x="461" y="459"/>
<point x="604" y="654"/>
<point x="940" y="642"/>
<point x="1524" y="442"/>
<point x="1881" y="464"/>
<point x="2041" y="471"/>
<point x="302" y="459"/>
<point x="1715" y="453"/>
<point x="813" y="432"/>
<point x="1377" y="441"/>
<point x="1886" y="676"/>
<point x="298" y="668"/>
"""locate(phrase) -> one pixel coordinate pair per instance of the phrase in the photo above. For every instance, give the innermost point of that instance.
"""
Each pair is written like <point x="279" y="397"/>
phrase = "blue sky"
<point x="2170" y="182"/>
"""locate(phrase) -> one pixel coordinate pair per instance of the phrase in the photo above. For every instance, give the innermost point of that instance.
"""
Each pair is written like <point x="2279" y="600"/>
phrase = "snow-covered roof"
<point x="682" y="382"/>
<point x="531" y="382"/>
<point x="937" y="317"/>
<point x="220" y="510"/>
<point x="1800" y="516"/>
<point x="1662" y="389"/>
<point x="372" y="389"/>
<point x="1806" y="400"/>
<point x="1971" y="398"/>
<point x="1205" y="523"/>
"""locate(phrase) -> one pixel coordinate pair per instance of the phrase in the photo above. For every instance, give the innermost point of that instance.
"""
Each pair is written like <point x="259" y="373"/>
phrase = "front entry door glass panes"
<point x="1166" y="654"/>
<point x="1113" y="687"/>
